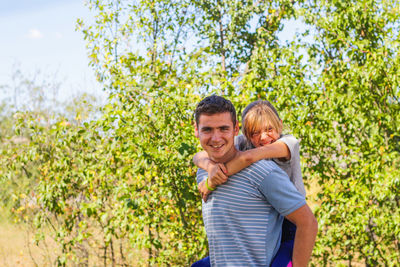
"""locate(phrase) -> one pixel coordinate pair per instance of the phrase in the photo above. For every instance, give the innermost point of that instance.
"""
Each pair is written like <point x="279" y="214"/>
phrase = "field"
<point x="17" y="247"/>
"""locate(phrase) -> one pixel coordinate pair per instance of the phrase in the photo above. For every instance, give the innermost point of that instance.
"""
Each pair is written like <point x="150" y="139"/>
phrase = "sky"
<point x="39" y="36"/>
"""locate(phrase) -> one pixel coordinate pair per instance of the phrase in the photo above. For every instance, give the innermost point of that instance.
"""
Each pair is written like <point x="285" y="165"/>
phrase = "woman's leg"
<point x="202" y="263"/>
<point x="283" y="257"/>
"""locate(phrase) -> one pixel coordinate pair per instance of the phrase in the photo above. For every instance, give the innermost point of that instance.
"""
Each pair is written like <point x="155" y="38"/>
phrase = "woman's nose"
<point x="264" y="135"/>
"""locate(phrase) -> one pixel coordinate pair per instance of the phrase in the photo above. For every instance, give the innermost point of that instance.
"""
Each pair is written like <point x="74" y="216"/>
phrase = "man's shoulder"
<point x="262" y="169"/>
<point x="265" y="164"/>
<point x="200" y="171"/>
<point x="201" y="175"/>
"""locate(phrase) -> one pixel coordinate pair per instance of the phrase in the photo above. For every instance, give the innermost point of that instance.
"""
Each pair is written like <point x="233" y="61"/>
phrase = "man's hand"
<point x="216" y="174"/>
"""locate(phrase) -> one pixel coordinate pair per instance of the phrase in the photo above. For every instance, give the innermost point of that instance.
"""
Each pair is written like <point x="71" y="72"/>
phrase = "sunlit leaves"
<point x="129" y="174"/>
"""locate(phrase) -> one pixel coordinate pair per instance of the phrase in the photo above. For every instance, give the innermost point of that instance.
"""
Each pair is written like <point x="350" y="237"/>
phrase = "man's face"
<point x="216" y="134"/>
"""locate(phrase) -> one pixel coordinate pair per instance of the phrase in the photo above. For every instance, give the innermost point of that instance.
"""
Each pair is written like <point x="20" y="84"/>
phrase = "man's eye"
<point x="255" y="134"/>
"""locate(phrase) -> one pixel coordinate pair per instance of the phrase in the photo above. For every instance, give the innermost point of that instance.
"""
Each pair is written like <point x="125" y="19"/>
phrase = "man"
<point x="243" y="217"/>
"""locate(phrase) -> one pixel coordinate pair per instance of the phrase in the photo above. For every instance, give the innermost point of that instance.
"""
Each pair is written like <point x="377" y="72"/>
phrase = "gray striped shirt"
<point x="243" y="217"/>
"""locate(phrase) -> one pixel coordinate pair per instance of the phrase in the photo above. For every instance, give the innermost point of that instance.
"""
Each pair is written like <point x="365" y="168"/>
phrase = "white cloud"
<point x="35" y="34"/>
<point x="58" y="35"/>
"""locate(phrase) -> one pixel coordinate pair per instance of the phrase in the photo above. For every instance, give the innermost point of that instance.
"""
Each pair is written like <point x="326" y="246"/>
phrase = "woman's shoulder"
<point x="241" y="143"/>
<point x="289" y="138"/>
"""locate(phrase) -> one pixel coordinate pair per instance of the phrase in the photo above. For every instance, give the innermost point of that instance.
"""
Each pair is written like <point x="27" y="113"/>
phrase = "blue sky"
<point x="39" y="35"/>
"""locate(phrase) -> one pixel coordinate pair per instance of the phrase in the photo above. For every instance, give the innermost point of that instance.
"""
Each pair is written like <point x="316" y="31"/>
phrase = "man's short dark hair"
<point x="213" y="105"/>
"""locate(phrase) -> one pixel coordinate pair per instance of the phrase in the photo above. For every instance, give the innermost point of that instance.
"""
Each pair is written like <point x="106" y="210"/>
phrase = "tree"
<point x="28" y="142"/>
<point x="127" y="175"/>
<point x="355" y="146"/>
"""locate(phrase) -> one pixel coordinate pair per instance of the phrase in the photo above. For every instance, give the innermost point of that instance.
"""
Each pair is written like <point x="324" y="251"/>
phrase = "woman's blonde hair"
<point x="257" y="114"/>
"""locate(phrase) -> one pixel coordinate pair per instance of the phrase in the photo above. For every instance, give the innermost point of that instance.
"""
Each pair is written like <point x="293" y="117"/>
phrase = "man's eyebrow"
<point x="205" y="128"/>
<point x="224" y="127"/>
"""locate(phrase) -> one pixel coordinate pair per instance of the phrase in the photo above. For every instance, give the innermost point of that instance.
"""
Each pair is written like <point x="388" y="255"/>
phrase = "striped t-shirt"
<point x="243" y="217"/>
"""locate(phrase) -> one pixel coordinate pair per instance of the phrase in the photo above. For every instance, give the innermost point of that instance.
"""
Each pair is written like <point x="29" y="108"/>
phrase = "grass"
<point x="17" y="247"/>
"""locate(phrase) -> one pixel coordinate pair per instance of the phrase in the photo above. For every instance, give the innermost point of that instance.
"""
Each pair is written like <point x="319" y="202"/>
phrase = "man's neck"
<point x="228" y="157"/>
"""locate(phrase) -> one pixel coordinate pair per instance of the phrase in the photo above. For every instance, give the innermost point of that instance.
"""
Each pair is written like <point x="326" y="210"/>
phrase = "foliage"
<point x="229" y="31"/>
<point x="27" y="140"/>
<point x="356" y="129"/>
<point x="125" y="179"/>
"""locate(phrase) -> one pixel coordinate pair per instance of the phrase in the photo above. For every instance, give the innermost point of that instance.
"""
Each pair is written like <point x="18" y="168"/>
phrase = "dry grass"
<point x="17" y="247"/>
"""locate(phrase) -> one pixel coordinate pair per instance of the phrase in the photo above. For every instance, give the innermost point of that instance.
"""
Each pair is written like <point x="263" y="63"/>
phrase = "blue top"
<point x="243" y="217"/>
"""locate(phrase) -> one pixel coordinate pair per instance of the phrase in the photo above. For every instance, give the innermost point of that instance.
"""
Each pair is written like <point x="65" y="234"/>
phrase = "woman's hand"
<point x="204" y="192"/>
<point x="217" y="174"/>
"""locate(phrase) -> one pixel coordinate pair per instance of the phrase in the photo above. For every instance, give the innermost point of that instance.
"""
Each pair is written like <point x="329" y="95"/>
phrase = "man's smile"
<point x="217" y="146"/>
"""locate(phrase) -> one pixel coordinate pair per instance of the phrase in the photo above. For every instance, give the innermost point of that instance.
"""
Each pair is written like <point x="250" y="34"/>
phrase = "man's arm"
<point x="287" y="201"/>
<point x="307" y="228"/>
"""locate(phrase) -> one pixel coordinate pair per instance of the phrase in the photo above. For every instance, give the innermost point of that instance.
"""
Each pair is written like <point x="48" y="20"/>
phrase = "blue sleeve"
<point x="281" y="193"/>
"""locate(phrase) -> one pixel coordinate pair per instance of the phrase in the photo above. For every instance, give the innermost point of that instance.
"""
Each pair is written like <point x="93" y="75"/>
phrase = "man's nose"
<point x="216" y="136"/>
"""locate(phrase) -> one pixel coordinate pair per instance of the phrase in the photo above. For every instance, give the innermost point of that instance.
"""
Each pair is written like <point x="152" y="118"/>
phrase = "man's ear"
<point x="237" y="128"/>
<point x="196" y="130"/>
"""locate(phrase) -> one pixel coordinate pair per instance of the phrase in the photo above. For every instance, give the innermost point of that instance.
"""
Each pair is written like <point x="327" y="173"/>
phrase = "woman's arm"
<point x="244" y="159"/>
<point x="201" y="160"/>
<point x="216" y="171"/>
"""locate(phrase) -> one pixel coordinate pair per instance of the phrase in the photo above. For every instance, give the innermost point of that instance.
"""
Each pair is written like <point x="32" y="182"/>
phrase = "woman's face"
<point x="264" y="136"/>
